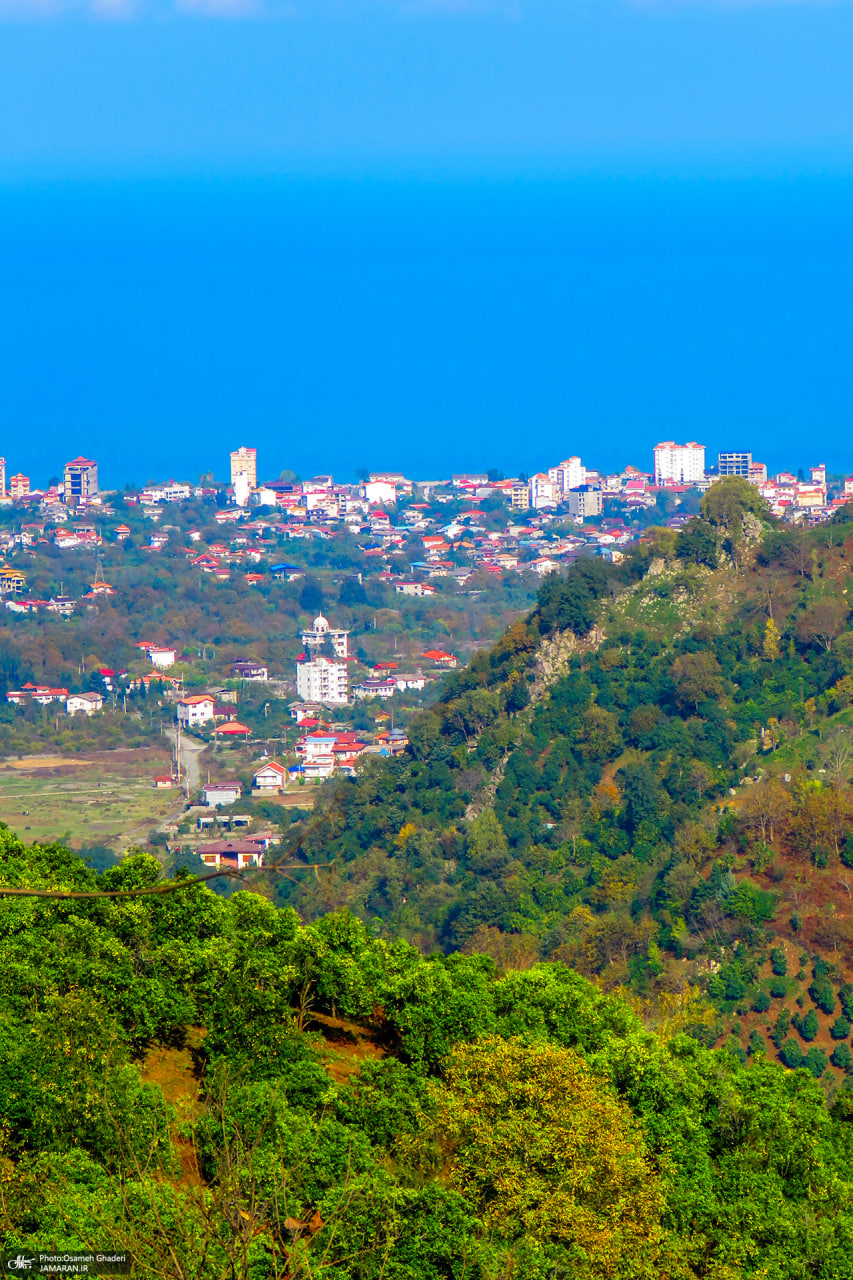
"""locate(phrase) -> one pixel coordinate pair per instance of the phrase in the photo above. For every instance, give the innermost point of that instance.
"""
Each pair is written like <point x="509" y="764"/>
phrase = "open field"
<point x="106" y="798"/>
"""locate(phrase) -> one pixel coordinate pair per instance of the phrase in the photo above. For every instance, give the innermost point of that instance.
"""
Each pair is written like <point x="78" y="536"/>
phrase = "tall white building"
<point x="244" y="462"/>
<point x="570" y="474"/>
<point x="316" y="638"/>
<point x="679" y="463"/>
<point x="323" y="680"/>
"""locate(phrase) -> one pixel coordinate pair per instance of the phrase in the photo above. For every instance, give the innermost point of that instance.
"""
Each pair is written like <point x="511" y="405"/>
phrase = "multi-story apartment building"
<point x="541" y="491"/>
<point x="19" y="486"/>
<point x="570" y="474"/>
<point x="519" y="496"/>
<point x="679" y="463"/>
<point x="244" y="462"/>
<point x="323" y="680"/>
<point x="2" y="477"/>
<point x="734" y="463"/>
<point x="81" y="481"/>
<point x="585" y="501"/>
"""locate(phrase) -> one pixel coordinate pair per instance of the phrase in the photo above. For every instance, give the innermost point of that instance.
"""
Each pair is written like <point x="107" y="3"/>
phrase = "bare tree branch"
<point x="173" y="887"/>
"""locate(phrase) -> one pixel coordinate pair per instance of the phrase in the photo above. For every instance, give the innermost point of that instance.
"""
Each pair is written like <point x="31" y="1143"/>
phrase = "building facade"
<point x="244" y="462"/>
<point x="732" y="463"/>
<point x="585" y="501"/>
<point x="316" y="638"/>
<point x="81" y="481"/>
<point x="323" y="680"/>
<point x="570" y="474"/>
<point x="679" y="463"/>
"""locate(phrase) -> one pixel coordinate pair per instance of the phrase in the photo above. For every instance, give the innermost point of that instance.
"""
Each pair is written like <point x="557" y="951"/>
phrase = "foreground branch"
<point x="173" y="887"/>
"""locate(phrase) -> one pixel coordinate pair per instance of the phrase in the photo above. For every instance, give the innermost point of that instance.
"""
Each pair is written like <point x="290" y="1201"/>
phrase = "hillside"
<point x="647" y="779"/>
<point x="225" y="1092"/>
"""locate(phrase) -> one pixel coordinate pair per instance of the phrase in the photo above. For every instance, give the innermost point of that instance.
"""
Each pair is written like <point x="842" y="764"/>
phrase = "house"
<point x="45" y="696"/>
<point x="440" y="658"/>
<point x="216" y="793"/>
<point x="305" y="711"/>
<point x="161" y="657"/>
<point x="319" y="767"/>
<point x="543" y="565"/>
<point x="375" y="687"/>
<point x="270" y="778"/>
<point x="12" y="581"/>
<point x="87" y="703"/>
<point x="164" y="781"/>
<point x="237" y="854"/>
<point x="195" y="709"/>
<point x="249" y="671"/>
<point x="414" y="588"/>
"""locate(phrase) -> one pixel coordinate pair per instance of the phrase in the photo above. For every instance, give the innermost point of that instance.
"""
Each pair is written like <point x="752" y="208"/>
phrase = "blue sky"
<point x="144" y="86"/>
<point x="428" y="234"/>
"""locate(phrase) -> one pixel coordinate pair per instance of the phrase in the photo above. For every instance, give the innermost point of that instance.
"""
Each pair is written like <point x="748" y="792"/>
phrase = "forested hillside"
<point x="227" y="1093"/>
<point x="648" y="780"/>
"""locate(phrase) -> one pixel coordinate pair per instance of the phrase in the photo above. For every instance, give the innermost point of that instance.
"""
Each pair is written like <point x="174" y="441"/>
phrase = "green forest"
<point x="566" y="990"/>
<point x="226" y="1092"/>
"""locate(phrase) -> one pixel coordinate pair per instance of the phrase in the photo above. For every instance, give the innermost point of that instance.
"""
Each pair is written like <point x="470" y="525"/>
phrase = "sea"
<point x="423" y="324"/>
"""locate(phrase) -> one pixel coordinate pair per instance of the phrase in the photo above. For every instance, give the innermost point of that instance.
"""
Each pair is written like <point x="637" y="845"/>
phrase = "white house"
<point x="195" y="709"/>
<point x="87" y="703"/>
<point x="161" y="657"/>
<point x="216" y="793"/>
<point x="375" y="687"/>
<point x="270" y="778"/>
<point x="380" y="492"/>
<point x="414" y="589"/>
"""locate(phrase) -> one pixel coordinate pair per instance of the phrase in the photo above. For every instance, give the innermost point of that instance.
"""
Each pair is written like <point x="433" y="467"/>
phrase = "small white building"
<point x="161" y="657"/>
<point x="216" y="793"/>
<point x="414" y="589"/>
<point x="83" y="703"/>
<point x="195" y="709"/>
<point x="380" y="492"/>
<point x="270" y="778"/>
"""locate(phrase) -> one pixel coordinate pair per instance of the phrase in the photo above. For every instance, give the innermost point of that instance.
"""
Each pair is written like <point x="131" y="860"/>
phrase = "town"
<point x="275" y="632"/>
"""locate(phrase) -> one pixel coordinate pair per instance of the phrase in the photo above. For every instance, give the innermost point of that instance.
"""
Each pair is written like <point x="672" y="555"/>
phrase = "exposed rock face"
<point x="554" y="655"/>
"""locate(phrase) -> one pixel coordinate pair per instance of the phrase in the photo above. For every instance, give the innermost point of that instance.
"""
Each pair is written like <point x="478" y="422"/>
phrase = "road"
<point x="190" y="752"/>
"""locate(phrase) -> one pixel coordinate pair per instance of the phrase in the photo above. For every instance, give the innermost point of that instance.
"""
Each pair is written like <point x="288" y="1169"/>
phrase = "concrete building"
<point x="194" y="710"/>
<point x="84" y="703"/>
<point x="2" y="477"/>
<point x="732" y="463"/>
<point x="244" y="462"/>
<point x="585" y="501"/>
<point x="679" y="463"/>
<point x="323" y="680"/>
<point x="541" y="491"/>
<point x="315" y="639"/>
<point x="519" y="496"/>
<point x="81" y="481"/>
<point x="568" y="475"/>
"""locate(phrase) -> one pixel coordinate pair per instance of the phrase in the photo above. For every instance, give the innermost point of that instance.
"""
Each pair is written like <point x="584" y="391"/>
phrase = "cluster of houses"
<point x="44" y="695"/>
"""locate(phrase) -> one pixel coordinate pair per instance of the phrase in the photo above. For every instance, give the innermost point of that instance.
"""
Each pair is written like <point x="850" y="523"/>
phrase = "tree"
<point x="311" y="596"/>
<point x="546" y="1152"/>
<point x="765" y="807"/>
<point x="823" y="622"/>
<point x="697" y="678"/>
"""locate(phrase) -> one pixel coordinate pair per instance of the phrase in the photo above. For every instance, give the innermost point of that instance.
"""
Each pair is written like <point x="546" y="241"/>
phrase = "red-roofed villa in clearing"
<point x="440" y="658"/>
